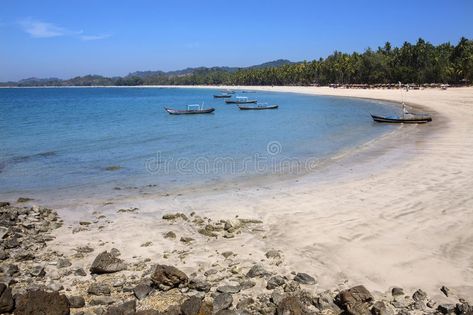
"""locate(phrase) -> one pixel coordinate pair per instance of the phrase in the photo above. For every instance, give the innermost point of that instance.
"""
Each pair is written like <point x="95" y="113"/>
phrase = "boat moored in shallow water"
<point x="191" y="109"/>
<point x="258" y="107"/>
<point x="241" y="100"/>
<point x="405" y="119"/>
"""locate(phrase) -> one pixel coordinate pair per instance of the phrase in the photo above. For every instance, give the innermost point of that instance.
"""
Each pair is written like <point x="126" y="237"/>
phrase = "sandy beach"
<point x="397" y="212"/>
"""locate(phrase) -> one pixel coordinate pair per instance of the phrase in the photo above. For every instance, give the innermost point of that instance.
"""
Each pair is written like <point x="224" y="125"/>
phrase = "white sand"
<point x="381" y="221"/>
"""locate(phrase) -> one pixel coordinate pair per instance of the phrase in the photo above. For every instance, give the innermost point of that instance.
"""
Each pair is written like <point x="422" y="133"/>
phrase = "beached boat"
<point x="222" y="95"/>
<point x="241" y="100"/>
<point x="191" y="109"/>
<point x="406" y="117"/>
<point x="258" y="107"/>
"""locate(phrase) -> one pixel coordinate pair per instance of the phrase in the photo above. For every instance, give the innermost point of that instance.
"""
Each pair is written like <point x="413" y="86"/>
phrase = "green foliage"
<point x="418" y="63"/>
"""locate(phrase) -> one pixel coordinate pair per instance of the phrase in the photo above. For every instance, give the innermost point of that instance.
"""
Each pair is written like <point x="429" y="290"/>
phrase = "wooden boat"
<point x="222" y="96"/>
<point x="241" y="100"/>
<point x="191" y="109"/>
<point x="406" y="119"/>
<point x="257" y="107"/>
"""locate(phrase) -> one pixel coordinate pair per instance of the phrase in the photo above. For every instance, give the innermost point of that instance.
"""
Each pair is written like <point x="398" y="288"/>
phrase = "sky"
<point x="69" y="38"/>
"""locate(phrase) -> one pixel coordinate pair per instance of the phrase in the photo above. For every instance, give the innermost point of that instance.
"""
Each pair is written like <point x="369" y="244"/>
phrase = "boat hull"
<point x="189" y="112"/>
<point x="241" y="102"/>
<point x="257" y="107"/>
<point x="222" y="96"/>
<point x="411" y="120"/>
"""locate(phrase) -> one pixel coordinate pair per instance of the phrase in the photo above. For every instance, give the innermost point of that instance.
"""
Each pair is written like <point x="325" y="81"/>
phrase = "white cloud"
<point x="40" y="29"/>
<point x="94" y="37"/>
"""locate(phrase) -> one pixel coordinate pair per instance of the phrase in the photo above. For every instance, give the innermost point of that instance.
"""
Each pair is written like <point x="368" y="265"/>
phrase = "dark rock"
<point x="76" y="301"/>
<point x="419" y="295"/>
<point x="231" y="289"/>
<point x="186" y="239"/>
<point x="257" y="271"/>
<point x="245" y="303"/>
<point x="275" y="282"/>
<point x="149" y="312"/>
<point x="4" y="204"/>
<point x="3" y="232"/>
<point x="380" y="308"/>
<point x="274" y="254"/>
<point x="290" y="305"/>
<point x="41" y="302"/>
<point x="170" y="235"/>
<point x="24" y="255"/>
<point x="397" y="291"/>
<point x="199" y="285"/>
<point x="141" y="291"/>
<point x="247" y="284"/>
<point x="99" y="289"/>
<point x="37" y="271"/>
<point x="446" y="308"/>
<point x="23" y="199"/>
<point x="445" y="290"/>
<point x="127" y="308"/>
<point x="166" y="277"/>
<point x="101" y="300"/>
<point x="355" y="301"/>
<point x="325" y="302"/>
<point x="105" y="262"/>
<point x="463" y="308"/>
<point x="63" y="263"/>
<point x="191" y="306"/>
<point x="222" y="301"/>
<point x="419" y="305"/>
<point x="304" y="278"/>
<point x="227" y="254"/>
<point x="80" y="272"/>
<point x="3" y="254"/>
<point x="6" y="299"/>
<point x="226" y="312"/>
<point x="11" y="270"/>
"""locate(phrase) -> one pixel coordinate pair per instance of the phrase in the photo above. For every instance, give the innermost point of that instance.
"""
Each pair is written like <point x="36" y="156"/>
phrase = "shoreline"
<point x="407" y="225"/>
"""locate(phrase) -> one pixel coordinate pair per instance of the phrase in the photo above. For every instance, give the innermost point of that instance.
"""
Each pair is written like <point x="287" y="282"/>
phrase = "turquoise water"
<point x="73" y="138"/>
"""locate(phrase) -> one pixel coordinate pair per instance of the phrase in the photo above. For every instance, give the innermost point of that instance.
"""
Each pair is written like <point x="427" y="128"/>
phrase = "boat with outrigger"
<point x="241" y="100"/>
<point x="406" y="117"/>
<point x="222" y="95"/>
<point x="191" y="109"/>
<point x="261" y="106"/>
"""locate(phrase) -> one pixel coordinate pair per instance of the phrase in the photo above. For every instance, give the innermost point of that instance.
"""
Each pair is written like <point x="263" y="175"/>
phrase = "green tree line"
<point x="417" y="63"/>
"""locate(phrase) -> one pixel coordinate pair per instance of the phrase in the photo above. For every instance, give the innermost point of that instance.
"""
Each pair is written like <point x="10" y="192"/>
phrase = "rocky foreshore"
<point x="37" y="279"/>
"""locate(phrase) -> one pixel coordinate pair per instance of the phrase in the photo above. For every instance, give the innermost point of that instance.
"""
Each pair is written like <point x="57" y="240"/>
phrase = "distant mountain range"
<point x="91" y="80"/>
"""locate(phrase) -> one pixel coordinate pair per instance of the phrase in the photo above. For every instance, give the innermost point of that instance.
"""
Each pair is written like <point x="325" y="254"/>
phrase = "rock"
<point x="141" y="291"/>
<point x="99" y="289"/>
<point x="23" y="199"/>
<point x="105" y="262"/>
<point x="175" y="216"/>
<point x="445" y="290"/>
<point x="419" y="295"/>
<point x="231" y="289"/>
<point x="257" y="271"/>
<point x="80" y="272"/>
<point x="186" y="239"/>
<point x="170" y="235"/>
<point x="4" y="204"/>
<point x="41" y="302"/>
<point x="191" y="306"/>
<point x="325" y="302"/>
<point x="222" y="302"/>
<point x="199" y="285"/>
<point x="115" y="252"/>
<point x="290" y="305"/>
<point x="166" y="277"/>
<point x="381" y="308"/>
<point x="227" y="254"/>
<point x="397" y="291"/>
<point x="6" y="299"/>
<point x="226" y="312"/>
<point x="210" y="272"/>
<point x="37" y="271"/>
<point x="76" y="301"/>
<point x="101" y="300"/>
<point x="3" y="254"/>
<point x="304" y="278"/>
<point x="247" y="284"/>
<point x="446" y="308"/>
<point x="207" y="233"/>
<point x="274" y="254"/>
<point x="355" y="301"/>
<point x="275" y="282"/>
<point x="146" y="244"/>
<point x="3" y="232"/>
<point x="63" y="263"/>
<point x="244" y="303"/>
<point x="463" y="308"/>
<point x="127" y="308"/>
<point x="55" y="286"/>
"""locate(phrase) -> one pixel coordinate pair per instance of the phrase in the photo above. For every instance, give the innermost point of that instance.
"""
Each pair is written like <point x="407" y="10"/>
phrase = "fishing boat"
<point x="241" y="100"/>
<point x="228" y="91"/>
<point x="405" y="118"/>
<point x="258" y="107"/>
<point x="191" y="109"/>
<point x="223" y="95"/>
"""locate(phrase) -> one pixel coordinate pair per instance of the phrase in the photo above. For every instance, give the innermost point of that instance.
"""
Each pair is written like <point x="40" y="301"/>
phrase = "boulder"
<point x="355" y="301"/>
<point x="419" y="295"/>
<point x="191" y="306"/>
<point x="105" y="262"/>
<point x="257" y="271"/>
<point x="222" y="302"/>
<point x="166" y="277"/>
<point x="41" y="302"/>
<point x="6" y="299"/>
<point x="290" y="305"/>
<point x="275" y="282"/>
<point x="231" y="289"/>
<point x="76" y="301"/>
<point x="141" y="291"/>
<point x="99" y="289"/>
<point x="304" y="278"/>
<point x="127" y="308"/>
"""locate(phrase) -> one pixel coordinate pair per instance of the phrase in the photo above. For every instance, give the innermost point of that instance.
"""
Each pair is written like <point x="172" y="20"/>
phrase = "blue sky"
<point x="68" y="38"/>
